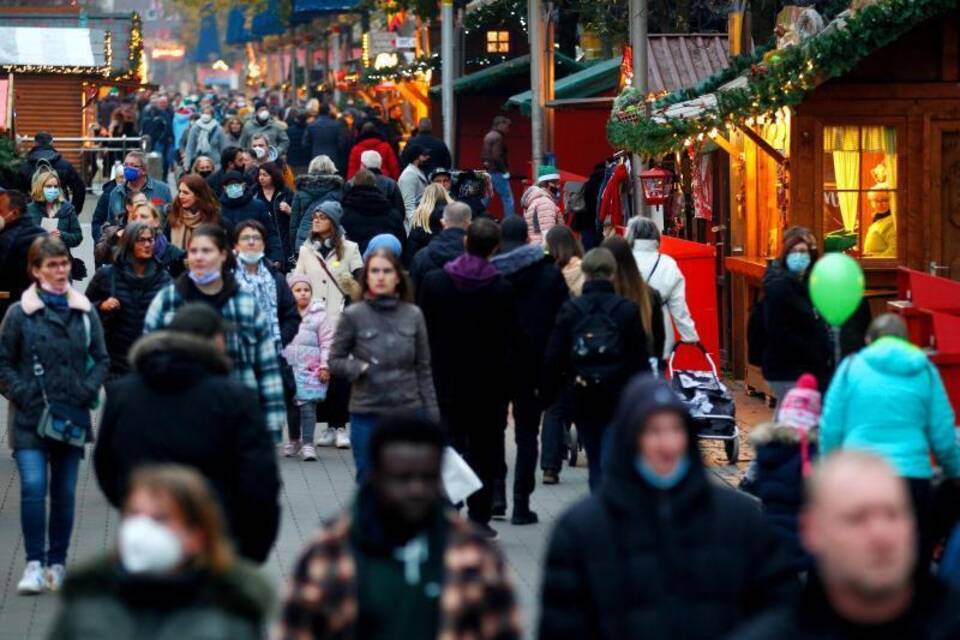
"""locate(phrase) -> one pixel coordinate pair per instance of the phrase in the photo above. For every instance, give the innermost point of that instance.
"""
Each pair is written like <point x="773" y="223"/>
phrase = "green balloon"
<point x="836" y="287"/>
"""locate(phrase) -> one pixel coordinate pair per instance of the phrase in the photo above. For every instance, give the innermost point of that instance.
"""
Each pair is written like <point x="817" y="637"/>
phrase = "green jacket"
<point x="101" y="601"/>
<point x="67" y="222"/>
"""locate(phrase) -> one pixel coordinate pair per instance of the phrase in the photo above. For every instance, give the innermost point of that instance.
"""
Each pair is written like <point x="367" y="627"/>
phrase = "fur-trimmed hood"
<point x="320" y="182"/>
<point x="172" y="360"/>
<point x="31" y="302"/>
<point x="773" y="433"/>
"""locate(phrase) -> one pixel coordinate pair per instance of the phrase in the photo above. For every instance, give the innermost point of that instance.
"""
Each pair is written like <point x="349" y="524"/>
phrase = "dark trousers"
<point x="475" y="432"/>
<point x="593" y="436"/>
<point x="556" y="423"/>
<point x="527" y="412"/>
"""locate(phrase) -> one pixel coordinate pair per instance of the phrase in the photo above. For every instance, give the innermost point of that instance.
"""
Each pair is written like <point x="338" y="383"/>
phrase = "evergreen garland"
<point x="508" y="14"/>
<point x="784" y="79"/>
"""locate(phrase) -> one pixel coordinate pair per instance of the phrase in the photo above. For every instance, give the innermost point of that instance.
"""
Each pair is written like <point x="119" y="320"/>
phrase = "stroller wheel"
<point x="732" y="447"/>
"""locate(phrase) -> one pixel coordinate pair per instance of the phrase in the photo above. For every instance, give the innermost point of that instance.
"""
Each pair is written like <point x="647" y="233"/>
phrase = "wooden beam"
<point x="724" y="144"/>
<point x="763" y="144"/>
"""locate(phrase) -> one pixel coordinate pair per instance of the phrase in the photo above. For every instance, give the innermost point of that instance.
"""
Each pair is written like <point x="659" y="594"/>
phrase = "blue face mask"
<point x="798" y="263"/>
<point x="203" y="279"/>
<point x="51" y="194"/>
<point x="131" y="174"/>
<point x="247" y="257"/>
<point x="233" y="190"/>
<point x="658" y="481"/>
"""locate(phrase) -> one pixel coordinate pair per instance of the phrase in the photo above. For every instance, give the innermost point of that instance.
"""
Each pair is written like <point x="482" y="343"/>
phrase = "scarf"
<point x="263" y="287"/>
<point x="180" y="235"/>
<point x="203" y="136"/>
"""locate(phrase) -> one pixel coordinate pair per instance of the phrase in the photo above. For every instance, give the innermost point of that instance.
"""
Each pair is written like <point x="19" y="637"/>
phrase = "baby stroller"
<point x="709" y="401"/>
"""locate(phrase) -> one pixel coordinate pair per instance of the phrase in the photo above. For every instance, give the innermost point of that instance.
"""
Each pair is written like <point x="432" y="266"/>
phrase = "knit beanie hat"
<point x="329" y="208"/>
<point x="386" y="241"/>
<point x="298" y="278"/>
<point x="371" y="159"/>
<point x="547" y="172"/>
<point x="800" y="407"/>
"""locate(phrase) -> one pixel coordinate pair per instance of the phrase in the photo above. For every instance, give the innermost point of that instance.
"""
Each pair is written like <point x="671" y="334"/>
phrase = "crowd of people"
<point x="310" y="269"/>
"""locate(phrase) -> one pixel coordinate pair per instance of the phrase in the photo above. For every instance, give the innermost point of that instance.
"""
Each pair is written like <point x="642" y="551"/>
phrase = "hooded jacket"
<point x="472" y="321"/>
<point x="101" y="600"/>
<point x="541" y="213"/>
<point x="444" y="247"/>
<point x="311" y="189"/>
<point x="633" y="561"/>
<point x="374" y="142"/>
<point x="889" y="399"/>
<point x="15" y="240"/>
<point x="247" y="207"/>
<point x="180" y="406"/>
<point x="368" y="213"/>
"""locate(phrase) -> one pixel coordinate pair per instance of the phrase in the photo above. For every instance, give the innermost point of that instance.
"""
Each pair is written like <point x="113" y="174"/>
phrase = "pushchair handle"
<point x="703" y="350"/>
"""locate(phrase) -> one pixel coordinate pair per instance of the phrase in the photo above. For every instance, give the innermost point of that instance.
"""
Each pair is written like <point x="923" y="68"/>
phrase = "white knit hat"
<point x="371" y="159"/>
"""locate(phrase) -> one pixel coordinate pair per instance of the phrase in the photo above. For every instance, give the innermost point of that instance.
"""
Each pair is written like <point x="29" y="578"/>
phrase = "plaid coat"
<point x="476" y="603"/>
<point x="250" y="347"/>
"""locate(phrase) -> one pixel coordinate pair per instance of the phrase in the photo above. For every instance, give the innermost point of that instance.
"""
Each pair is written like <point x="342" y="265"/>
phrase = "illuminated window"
<point x="498" y="42"/>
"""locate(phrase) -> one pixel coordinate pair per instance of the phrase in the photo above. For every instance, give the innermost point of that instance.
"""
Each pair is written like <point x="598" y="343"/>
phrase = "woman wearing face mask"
<point x="233" y="131"/>
<point x="194" y="205"/>
<point x="381" y="347"/>
<point x="50" y="210"/>
<point x="251" y="345"/>
<point x="170" y="257"/>
<point x="797" y="339"/>
<point x="121" y="292"/>
<point x="273" y="192"/>
<point x="657" y="537"/>
<point x="238" y="204"/>
<point x="203" y="166"/>
<point x="206" y="138"/>
<point x="173" y="574"/>
<point x="539" y="204"/>
<point x="55" y="327"/>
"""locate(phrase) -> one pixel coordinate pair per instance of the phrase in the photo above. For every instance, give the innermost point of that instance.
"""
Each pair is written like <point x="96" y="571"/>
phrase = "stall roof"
<point x="477" y="81"/>
<point x="60" y="47"/>
<point x="675" y="61"/>
<point x="95" y="25"/>
<point x="766" y="80"/>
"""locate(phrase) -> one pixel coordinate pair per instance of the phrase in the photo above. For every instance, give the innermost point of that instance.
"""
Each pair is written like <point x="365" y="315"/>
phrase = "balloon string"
<point x="837" y="347"/>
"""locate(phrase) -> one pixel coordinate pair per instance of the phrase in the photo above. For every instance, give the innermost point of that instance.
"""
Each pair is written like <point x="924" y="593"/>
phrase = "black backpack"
<point x="597" y="353"/>
<point x="756" y="333"/>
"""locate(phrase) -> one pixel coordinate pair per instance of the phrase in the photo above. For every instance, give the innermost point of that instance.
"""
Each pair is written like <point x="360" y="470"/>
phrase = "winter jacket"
<point x="439" y="154"/>
<point x="493" y="154"/>
<point x="367" y="213"/>
<point x="391" y="338"/>
<point x="390" y="189"/>
<point x="328" y="137"/>
<point x="889" y="399"/>
<point x="472" y="321"/>
<point x="275" y="132"/>
<point x="101" y="600"/>
<point x="797" y="339"/>
<point x="540" y="212"/>
<point x="374" y="142"/>
<point x="246" y="207"/>
<point x="280" y="219"/>
<point x="574" y="277"/>
<point x="70" y="180"/>
<point x="298" y="155"/>
<point x="216" y="143"/>
<point x="540" y="291"/>
<point x="121" y="328"/>
<point x="179" y="406"/>
<point x="412" y="183"/>
<point x="157" y="192"/>
<point x="330" y="291"/>
<point x="476" y="600"/>
<point x="74" y="364"/>
<point x="310" y="349"/>
<point x="557" y="368"/>
<point x="661" y="272"/>
<point x="250" y="345"/>
<point x="15" y="240"/>
<point x="417" y="239"/>
<point x="310" y="190"/>
<point x="100" y="212"/>
<point x="934" y="614"/>
<point x="67" y="222"/>
<point x="632" y="561"/>
<point x="444" y="247"/>
<point x="171" y="259"/>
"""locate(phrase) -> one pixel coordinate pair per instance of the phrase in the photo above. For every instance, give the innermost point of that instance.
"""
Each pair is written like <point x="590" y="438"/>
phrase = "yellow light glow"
<point x="220" y="65"/>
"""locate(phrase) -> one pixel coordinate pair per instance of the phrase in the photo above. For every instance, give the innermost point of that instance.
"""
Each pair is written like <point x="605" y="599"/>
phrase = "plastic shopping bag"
<point x="459" y="480"/>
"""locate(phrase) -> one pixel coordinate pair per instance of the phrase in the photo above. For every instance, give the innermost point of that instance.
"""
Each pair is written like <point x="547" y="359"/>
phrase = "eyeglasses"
<point x="251" y="238"/>
<point x="145" y="240"/>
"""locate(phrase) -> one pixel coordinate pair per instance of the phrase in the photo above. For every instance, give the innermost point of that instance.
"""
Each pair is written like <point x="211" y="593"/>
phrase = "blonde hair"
<point x="320" y="165"/>
<point x="433" y="194"/>
<point x="195" y="501"/>
<point x="40" y="176"/>
<point x="154" y="212"/>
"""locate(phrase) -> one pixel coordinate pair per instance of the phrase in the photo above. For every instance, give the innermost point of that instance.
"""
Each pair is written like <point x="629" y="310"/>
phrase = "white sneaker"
<point x="55" y="577"/>
<point x="33" y="581"/>
<point x="307" y="452"/>
<point x="343" y="438"/>
<point x="290" y="449"/>
<point x="328" y="437"/>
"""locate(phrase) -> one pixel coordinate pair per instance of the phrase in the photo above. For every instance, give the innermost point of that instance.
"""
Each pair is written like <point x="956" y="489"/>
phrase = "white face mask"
<point x="259" y="152"/>
<point x="205" y="118"/>
<point x="146" y="546"/>
<point x="263" y="115"/>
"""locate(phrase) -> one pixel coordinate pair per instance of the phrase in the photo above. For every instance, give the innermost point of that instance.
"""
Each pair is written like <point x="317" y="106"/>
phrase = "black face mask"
<point x="204" y="174"/>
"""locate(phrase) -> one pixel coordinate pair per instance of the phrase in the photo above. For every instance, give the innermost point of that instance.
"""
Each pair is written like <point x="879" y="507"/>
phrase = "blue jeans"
<point x="361" y="430"/>
<point x="40" y="468"/>
<point x="501" y="185"/>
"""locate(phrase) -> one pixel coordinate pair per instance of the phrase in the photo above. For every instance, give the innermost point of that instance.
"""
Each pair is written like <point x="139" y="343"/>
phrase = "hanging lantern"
<point x="657" y="185"/>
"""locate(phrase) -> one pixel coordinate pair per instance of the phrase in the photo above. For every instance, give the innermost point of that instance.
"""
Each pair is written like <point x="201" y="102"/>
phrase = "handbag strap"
<point x="323" y="263"/>
<point x="655" y="265"/>
<point x="38" y="371"/>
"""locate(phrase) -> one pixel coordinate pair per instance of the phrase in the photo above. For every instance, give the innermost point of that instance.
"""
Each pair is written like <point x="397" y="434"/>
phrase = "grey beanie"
<point x="329" y="208"/>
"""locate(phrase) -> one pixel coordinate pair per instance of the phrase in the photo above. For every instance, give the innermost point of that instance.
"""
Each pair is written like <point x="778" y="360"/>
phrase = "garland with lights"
<point x="135" y="53"/>
<point x="779" y="78"/>
<point x="402" y="71"/>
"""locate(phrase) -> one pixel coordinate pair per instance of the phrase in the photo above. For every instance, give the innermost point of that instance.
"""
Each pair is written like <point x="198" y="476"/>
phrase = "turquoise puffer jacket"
<point x="889" y="399"/>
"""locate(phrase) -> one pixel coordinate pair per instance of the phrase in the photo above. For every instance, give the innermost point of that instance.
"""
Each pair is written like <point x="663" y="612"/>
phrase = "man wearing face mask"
<point x="264" y="124"/>
<point x="238" y="204"/>
<point x="173" y="573"/>
<point x="660" y="551"/>
<point x="135" y="178"/>
<point x="539" y="204"/>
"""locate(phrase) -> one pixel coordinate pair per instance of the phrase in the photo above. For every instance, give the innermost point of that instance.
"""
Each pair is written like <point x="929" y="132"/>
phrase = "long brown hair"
<point x="563" y="245"/>
<point x="404" y="291"/>
<point x="195" y="501"/>
<point x="630" y="284"/>
<point x="207" y="204"/>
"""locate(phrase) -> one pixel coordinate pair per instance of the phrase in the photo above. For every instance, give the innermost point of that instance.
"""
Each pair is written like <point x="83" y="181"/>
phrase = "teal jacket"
<point x="67" y="222"/>
<point x="889" y="399"/>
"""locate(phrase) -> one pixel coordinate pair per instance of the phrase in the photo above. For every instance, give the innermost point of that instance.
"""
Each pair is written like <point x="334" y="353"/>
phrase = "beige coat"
<point x="574" y="276"/>
<point x="324" y="289"/>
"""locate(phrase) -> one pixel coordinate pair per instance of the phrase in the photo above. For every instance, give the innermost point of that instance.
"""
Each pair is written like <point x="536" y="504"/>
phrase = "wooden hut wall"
<point x="51" y="103"/>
